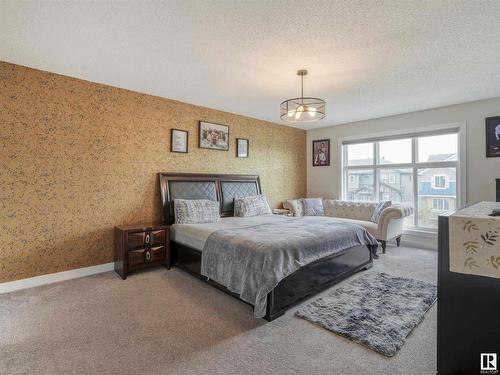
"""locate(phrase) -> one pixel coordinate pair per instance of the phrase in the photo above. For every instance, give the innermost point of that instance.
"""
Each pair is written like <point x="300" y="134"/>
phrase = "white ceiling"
<point x="366" y="58"/>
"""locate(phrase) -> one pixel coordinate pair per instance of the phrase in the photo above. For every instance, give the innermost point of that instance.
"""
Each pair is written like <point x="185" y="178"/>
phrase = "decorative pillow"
<point x="313" y="207"/>
<point x="254" y="205"/>
<point x="378" y="210"/>
<point x="196" y="211"/>
<point x="295" y="206"/>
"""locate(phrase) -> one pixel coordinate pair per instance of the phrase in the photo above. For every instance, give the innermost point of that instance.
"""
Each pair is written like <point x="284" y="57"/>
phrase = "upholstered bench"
<point x="386" y="226"/>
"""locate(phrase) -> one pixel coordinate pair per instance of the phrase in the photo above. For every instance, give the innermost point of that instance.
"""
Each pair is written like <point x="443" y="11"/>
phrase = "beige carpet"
<point x="168" y="322"/>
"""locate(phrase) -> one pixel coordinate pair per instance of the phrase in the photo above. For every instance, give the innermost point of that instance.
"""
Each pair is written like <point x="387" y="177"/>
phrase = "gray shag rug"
<point x="376" y="310"/>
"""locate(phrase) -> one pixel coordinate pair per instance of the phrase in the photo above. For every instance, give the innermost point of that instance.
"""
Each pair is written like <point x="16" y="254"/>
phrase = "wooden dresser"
<point x="140" y="246"/>
<point x="468" y="329"/>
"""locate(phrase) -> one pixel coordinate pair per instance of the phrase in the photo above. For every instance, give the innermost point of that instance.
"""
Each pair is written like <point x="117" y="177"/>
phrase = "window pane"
<point x="396" y="185"/>
<point x="360" y="154"/>
<point x="437" y="148"/>
<point x="396" y="151"/>
<point x="437" y="193"/>
<point x="360" y="185"/>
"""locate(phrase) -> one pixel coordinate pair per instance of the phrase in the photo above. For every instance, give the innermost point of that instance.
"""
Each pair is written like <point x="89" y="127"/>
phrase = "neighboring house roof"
<point x="430" y="159"/>
<point x="427" y="174"/>
<point x="441" y="157"/>
<point x="369" y="189"/>
<point x="391" y="187"/>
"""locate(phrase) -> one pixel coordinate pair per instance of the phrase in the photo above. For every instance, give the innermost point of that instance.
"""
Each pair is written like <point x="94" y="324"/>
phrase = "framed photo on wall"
<point x="321" y="153"/>
<point x="214" y="136"/>
<point x="178" y="141"/>
<point x="242" y="147"/>
<point x="493" y="137"/>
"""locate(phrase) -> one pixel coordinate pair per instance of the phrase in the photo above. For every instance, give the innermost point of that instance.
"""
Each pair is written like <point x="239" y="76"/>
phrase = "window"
<point x="440" y="204"/>
<point x="418" y="169"/>
<point x="439" y="182"/>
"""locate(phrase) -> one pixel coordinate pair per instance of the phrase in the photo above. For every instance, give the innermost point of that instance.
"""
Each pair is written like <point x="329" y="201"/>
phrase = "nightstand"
<point x="141" y="246"/>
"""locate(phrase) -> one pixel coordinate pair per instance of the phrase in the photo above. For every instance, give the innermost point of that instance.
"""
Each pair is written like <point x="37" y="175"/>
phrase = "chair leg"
<point x="398" y="241"/>
<point x="384" y="243"/>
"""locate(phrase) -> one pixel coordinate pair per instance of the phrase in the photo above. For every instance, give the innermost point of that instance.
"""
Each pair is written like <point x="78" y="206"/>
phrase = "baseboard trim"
<point x="50" y="278"/>
<point x="419" y="242"/>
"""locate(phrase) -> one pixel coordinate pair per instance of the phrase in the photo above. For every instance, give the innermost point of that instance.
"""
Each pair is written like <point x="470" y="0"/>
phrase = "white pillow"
<point x="196" y="211"/>
<point x="254" y="205"/>
<point x="313" y="207"/>
<point x="294" y="205"/>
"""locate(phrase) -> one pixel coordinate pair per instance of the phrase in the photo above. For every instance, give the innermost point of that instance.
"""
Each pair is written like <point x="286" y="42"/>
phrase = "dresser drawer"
<point x="142" y="256"/>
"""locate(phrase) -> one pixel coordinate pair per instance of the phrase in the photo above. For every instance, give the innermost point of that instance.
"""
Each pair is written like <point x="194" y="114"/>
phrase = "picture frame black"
<point x="320" y="156"/>
<point x="240" y="152"/>
<point x="213" y="136"/>
<point x="173" y="148"/>
<point x="492" y="137"/>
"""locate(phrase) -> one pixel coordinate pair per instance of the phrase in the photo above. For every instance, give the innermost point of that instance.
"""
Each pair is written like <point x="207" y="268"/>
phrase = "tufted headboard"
<point x="217" y="187"/>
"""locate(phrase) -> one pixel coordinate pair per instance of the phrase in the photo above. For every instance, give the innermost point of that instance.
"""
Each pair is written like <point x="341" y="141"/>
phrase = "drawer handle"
<point x="147" y="238"/>
<point x="148" y="256"/>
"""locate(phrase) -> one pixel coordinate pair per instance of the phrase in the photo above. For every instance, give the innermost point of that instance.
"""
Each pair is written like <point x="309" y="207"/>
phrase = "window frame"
<point x="414" y="134"/>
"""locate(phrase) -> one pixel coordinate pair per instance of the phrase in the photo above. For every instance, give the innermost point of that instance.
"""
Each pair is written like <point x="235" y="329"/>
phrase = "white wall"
<point x="481" y="171"/>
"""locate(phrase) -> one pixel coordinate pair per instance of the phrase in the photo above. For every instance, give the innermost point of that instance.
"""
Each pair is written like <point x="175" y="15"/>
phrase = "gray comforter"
<point x="251" y="261"/>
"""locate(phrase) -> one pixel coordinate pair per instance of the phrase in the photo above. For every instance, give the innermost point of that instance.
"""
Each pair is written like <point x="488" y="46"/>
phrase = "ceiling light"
<point x="293" y="109"/>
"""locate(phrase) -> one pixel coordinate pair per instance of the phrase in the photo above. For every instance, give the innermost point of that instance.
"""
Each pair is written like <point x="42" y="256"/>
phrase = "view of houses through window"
<point x="419" y="170"/>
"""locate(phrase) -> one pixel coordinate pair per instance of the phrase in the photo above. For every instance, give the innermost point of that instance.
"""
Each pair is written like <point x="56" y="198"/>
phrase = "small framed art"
<point x="178" y="141"/>
<point x="493" y="137"/>
<point x="214" y="136"/>
<point x="242" y="147"/>
<point x="321" y="153"/>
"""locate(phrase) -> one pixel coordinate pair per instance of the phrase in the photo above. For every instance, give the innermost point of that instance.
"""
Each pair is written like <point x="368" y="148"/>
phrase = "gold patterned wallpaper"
<point x="78" y="158"/>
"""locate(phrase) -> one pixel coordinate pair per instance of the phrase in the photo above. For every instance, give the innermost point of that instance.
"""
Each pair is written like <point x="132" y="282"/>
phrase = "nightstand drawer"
<point x="135" y="240"/>
<point x="158" y="253"/>
<point x="146" y="239"/>
<point x="138" y="257"/>
<point x="158" y="237"/>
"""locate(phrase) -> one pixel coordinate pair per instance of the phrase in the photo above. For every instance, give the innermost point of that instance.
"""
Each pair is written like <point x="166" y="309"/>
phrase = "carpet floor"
<point x="168" y="322"/>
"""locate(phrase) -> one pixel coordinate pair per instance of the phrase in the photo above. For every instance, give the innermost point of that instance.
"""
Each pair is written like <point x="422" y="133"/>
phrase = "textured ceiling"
<point x="366" y="58"/>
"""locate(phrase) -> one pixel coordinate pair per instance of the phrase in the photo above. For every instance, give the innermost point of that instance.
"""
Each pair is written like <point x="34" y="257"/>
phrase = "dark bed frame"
<point x="303" y="283"/>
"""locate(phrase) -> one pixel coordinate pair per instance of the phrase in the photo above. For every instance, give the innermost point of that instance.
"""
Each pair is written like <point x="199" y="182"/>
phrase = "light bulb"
<point x="297" y="115"/>
<point x="291" y="113"/>
<point x="300" y="108"/>
<point x="312" y="111"/>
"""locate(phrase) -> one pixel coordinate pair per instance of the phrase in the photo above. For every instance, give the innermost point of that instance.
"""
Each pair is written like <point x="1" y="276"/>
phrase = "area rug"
<point x="375" y="310"/>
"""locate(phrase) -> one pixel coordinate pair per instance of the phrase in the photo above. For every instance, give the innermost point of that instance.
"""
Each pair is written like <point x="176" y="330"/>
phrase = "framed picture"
<point x="178" y="140"/>
<point x="214" y="136"/>
<point x="242" y="146"/>
<point x="321" y="153"/>
<point x="493" y="137"/>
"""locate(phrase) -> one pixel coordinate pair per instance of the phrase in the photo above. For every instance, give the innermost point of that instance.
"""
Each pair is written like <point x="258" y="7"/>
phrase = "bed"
<point x="188" y="241"/>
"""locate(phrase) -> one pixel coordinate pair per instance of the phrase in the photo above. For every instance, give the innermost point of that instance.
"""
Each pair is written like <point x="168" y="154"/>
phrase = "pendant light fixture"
<point x="303" y="109"/>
